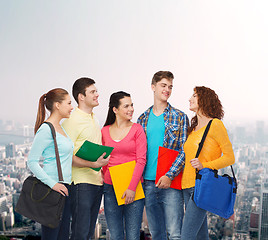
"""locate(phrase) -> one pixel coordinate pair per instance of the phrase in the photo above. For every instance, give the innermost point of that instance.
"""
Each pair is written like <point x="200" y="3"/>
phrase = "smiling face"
<point x="162" y="89"/>
<point x="91" y="96"/>
<point x="193" y="103"/>
<point x="65" y="107"/>
<point x="125" y="109"/>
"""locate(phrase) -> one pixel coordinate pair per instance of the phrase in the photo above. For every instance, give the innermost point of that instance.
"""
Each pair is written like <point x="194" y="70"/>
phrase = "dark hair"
<point x="160" y="75"/>
<point x="47" y="101"/>
<point x="209" y="105"/>
<point x="114" y="102"/>
<point x="80" y="86"/>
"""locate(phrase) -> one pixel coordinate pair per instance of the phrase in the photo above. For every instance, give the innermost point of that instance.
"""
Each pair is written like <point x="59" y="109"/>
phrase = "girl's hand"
<point x="58" y="187"/>
<point x="130" y="195"/>
<point x="196" y="163"/>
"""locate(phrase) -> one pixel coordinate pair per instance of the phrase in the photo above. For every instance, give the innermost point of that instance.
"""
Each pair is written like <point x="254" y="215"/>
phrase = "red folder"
<point x="166" y="157"/>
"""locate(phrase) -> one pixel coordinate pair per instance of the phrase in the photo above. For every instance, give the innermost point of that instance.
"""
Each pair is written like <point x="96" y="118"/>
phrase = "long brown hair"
<point x="47" y="101"/>
<point x="209" y="105"/>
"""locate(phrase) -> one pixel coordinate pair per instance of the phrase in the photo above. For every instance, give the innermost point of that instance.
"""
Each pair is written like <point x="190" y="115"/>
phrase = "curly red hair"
<point x="209" y="105"/>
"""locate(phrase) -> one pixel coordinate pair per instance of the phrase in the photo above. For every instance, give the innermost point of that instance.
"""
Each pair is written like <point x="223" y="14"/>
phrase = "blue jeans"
<point x="164" y="209"/>
<point x="195" y="219"/>
<point x="123" y="220"/>
<point x="86" y="199"/>
<point x="63" y="230"/>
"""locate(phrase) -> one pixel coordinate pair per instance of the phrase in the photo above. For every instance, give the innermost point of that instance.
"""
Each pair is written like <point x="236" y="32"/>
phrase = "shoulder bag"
<point x="213" y="192"/>
<point x="38" y="201"/>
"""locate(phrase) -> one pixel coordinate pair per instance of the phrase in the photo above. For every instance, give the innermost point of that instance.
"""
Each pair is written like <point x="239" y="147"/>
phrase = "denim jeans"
<point x="123" y="220"/>
<point x="86" y="199"/>
<point x="164" y="209"/>
<point x="63" y="230"/>
<point x="195" y="219"/>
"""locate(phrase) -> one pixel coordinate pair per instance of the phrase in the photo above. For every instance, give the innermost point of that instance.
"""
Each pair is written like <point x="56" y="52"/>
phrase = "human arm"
<point x="101" y="161"/>
<point x="105" y="167"/>
<point x="42" y="140"/>
<point x="219" y="133"/>
<point x="178" y="164"/>
<point x="141" y="149"/>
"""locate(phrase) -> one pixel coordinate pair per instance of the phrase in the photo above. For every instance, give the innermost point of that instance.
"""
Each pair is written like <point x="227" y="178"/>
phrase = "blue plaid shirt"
<point x="176" y="125"/>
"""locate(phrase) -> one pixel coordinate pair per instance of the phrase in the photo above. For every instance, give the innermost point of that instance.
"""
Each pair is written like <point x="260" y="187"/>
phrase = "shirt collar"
<point x="91" y="115"/>
<point x="168" y="108"/>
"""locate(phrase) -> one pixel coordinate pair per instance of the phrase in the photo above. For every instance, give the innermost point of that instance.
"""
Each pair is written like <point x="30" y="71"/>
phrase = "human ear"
<point x="81" y="96"/>
<point x="57" y="105"/>
<point x="115" y="110"/>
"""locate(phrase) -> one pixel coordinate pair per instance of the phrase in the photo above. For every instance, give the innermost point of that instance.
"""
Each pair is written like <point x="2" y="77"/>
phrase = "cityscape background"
<point x="250" y="220"/>
<point x="121" y="44"/>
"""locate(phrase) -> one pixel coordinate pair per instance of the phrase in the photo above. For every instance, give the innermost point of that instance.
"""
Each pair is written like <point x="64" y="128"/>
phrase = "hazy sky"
<point x="121" y="44"/>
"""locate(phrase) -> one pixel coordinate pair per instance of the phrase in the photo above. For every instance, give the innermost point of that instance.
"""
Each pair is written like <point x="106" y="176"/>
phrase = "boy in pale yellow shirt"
<point x="86" y="188"/>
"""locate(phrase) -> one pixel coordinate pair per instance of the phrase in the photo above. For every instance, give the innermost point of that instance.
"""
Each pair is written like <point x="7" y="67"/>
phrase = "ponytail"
<point x="110" y="117"/>
<point x="47" y="101"/>
<point x="41" y="113"/>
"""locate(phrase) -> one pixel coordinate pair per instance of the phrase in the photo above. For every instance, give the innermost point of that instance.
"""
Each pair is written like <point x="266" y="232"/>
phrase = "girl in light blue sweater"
<point x="58" y="103"/>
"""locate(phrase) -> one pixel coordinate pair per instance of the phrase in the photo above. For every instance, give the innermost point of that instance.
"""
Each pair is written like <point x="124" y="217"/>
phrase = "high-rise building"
<point x="263" y="220"/>
<point x="10" y="150"/>
<point x="260" y="133"/>
<point x="240" y="134"/>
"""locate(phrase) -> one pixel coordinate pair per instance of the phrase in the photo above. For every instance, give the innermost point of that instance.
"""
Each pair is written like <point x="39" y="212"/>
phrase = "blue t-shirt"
<point x="155" y="138"/>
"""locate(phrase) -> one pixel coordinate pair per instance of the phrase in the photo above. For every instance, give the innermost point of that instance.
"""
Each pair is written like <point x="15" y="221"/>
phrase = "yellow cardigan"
<point x="216" y="153"/>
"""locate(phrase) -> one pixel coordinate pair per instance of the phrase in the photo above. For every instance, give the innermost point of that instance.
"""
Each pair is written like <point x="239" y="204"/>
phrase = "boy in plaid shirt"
<point x="164" y="126"/>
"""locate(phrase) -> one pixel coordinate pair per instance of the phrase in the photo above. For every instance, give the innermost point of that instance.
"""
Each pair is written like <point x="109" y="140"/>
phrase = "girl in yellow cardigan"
<point x="216" y="153"/>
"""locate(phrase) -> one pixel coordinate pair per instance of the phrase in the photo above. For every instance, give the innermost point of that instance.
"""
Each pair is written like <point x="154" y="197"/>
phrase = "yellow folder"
<point x="121" y="176"/>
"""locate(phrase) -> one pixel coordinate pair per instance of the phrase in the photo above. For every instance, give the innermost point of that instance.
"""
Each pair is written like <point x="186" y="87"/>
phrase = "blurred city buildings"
<point x="250" y="220"/>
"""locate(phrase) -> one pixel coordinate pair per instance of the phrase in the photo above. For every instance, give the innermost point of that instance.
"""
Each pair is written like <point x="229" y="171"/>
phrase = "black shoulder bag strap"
<point x="203" y="139"/>
<point x="200" y="148"/>
<point x="56" y="150"/>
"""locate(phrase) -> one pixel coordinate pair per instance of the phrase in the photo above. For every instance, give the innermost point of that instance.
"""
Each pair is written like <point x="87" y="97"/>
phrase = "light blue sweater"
<point x="43" y="145"/>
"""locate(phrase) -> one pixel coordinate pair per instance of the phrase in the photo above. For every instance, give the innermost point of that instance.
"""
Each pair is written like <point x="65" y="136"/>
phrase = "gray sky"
<point x="121" y="44"/>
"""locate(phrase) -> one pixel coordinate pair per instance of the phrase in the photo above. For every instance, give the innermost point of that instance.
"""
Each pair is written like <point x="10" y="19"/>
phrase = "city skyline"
<point x="250" y="168"/>
<point x="222" y="45"/>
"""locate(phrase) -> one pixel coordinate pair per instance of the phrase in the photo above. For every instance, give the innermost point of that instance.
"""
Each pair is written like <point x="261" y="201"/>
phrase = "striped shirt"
<point x="176" y="125"/>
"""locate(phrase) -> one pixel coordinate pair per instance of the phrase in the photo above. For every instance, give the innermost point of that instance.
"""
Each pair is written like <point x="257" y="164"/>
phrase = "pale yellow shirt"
<point x="82" y="126"/>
